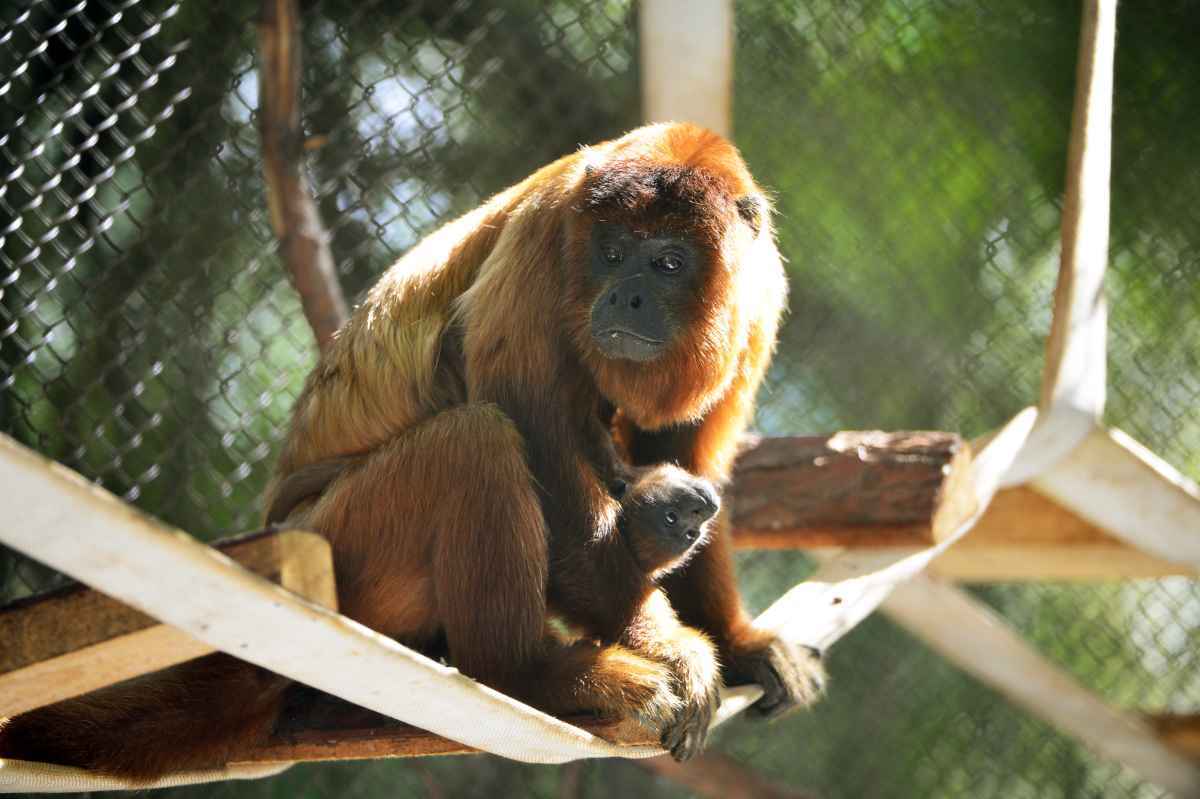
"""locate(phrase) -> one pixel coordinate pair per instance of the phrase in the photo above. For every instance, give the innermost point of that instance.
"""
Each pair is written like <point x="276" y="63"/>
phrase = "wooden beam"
<point x="1116" y="483"/>
<point x="1074" y="375"/>
<point x="889" y="492"/>
<point x="1025" y="535"/>
<point x="716" y="775"/>
<point x="687" y="61"/>
<point x="75" y="639"/>
<point x="318" y="727"/>
<point x="971" y="636"/>
<point x="1073" y="378"/>
<point x="1181" y="732"/>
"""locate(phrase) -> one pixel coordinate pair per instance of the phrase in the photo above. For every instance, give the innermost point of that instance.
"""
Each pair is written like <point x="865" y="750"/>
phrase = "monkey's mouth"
<point x="619" y="342"/>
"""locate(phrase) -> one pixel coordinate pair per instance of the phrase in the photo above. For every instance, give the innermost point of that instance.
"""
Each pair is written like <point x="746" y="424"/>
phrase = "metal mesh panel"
<point x="150" y="340"/>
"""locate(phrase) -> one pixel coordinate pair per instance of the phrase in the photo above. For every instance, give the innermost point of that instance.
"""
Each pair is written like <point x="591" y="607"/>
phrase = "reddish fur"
<point x="469" y="400"/>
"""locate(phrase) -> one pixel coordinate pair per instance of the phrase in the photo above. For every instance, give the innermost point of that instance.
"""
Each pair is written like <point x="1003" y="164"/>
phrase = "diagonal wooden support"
<point x="971" y="636"/>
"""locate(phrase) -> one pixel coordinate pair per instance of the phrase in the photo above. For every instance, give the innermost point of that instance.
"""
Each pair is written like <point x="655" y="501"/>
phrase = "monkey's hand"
<point x="692" y="659"/>
<point x="791" y="676"/>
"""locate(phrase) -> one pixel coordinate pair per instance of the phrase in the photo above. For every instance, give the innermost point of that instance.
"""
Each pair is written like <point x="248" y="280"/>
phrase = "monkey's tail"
<point x="196" y="715"/>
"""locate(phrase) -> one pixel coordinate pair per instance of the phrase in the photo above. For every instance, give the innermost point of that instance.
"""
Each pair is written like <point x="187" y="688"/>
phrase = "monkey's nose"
<point x="628" y="297"/>
<point x="700" y="506"/>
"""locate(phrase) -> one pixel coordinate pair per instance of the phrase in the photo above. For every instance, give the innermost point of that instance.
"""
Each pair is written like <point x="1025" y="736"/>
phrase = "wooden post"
<point x="687" y="61"/>
<point x="1073" y="379"/>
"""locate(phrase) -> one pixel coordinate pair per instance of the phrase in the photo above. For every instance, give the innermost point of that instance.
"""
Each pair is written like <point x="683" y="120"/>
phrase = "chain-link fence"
<point x="150" y="339"/>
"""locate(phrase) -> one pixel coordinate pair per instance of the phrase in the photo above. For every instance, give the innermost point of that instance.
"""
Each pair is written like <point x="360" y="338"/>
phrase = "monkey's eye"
<point x="670" y="263"/>
<point x="672" y="518"/>
<point x="611" y="254"/>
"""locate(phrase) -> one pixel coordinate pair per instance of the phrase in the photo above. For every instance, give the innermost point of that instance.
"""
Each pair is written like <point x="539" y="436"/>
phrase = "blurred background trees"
<point x="150" y="340"/>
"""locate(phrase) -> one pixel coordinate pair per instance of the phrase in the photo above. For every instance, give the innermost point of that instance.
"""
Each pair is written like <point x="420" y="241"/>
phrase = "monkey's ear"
<point x="750" y="208"/>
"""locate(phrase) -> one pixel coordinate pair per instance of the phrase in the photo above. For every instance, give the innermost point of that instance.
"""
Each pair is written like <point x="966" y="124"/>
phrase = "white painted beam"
<point x="687" y="62"/>
<point x="1074" y="377"/>
<point x="971" y="636"/>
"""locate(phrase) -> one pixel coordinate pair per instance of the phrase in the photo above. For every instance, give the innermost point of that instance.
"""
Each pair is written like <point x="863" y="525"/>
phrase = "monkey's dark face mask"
<point x="663" y="527"/>
<point x="646" y="282"/>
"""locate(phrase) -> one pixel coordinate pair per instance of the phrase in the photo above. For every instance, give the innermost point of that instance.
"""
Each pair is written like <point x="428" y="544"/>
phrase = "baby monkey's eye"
<point x="672" y="518"/>
<point x="611" y="254"/>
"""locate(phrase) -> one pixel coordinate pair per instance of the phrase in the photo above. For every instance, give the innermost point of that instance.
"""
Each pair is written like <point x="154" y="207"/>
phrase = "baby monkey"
<point x="664" y="516"/>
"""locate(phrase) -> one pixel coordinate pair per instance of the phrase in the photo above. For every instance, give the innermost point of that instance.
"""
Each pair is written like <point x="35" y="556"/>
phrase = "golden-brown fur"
<point x="474" y="420"/>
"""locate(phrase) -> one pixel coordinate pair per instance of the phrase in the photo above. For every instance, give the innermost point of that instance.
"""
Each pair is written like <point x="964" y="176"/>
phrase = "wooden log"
<point x="74" y="640"/>
<point x="851" y="489"/>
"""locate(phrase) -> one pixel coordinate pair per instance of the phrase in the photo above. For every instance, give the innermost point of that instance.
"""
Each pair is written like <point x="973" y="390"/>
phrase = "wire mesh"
<point x="150" y="339"/>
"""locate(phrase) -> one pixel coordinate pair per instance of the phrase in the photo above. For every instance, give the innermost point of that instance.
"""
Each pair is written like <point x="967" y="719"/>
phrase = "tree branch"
<point x="303" y="241"/>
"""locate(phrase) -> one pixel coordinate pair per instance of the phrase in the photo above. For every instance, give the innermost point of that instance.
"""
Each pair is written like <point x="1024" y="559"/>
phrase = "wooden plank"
<point x="1025" y="535"/>
<point x="1117" y="484"/>
<point x="687" y="61"/>
<point x="318" y="727"/>
<point x="76" y="640"/>
<point x="971" y="636"/>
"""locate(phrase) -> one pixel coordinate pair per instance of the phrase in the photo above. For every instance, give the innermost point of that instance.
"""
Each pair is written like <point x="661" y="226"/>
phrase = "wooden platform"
<point x="862" y="491"/>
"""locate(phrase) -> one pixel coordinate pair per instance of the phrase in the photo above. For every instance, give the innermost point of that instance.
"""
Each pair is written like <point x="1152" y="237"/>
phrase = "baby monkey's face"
<point x="665" y="516"/>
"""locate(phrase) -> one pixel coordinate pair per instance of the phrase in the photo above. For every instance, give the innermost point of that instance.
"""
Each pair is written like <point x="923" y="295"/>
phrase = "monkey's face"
<point x="645" y="284"/>
<point x="665" y="516"/>
<point x="673" y="279"/>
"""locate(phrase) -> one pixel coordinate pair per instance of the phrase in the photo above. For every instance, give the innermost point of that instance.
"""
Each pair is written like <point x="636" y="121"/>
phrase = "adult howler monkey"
<point x="458" y="444"/>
